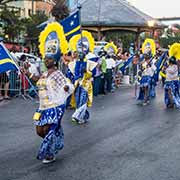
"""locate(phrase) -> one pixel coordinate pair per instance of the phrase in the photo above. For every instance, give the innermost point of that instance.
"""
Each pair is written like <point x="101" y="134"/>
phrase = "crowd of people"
<point x="70" y="79"/>
<point x="106" y="77"/>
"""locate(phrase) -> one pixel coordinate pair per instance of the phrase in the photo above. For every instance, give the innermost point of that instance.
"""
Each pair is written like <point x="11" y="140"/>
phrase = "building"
<point x="44" y="7"/>
<point x="27" y="8"/>
<point x="72" y="3"/>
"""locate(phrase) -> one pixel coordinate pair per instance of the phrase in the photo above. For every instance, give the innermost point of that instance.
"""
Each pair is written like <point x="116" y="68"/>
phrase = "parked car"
<point x="29" y="57"/>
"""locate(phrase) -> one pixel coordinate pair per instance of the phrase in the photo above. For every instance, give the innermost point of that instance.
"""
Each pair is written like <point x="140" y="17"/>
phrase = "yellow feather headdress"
<point x="73" y="43"/>
<point x="111" y="47"/>
<point x="50" y="28"/>
<point x="149" y="46"/>
<point x="175" y="51"/>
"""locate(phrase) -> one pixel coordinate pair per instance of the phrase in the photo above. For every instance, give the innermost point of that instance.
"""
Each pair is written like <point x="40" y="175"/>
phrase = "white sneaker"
<point x="81" y="122"/>
<point x="73" y="120"/>
<point x="46" y="161"/>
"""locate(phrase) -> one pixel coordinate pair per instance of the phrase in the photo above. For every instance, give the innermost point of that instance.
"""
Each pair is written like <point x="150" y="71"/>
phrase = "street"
<point x="123" y="141"/>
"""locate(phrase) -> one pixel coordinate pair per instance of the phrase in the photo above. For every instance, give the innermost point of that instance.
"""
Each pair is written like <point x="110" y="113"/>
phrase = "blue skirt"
<point x="152" y="89"/>
<point x="54" y="140"/>
<point x="145" y="81"/>
<point x="174" y="87"/>
<point x="81" y="114"/>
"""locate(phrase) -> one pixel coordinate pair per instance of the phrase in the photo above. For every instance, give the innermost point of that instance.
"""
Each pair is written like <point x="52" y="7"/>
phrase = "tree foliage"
<point x="121" y="38"/>
<point x="60" y="10"/>
<point x="12" y="24"/>
<point x="170" y="36"/>
<point x="16" y="28"/>
<point x="31" y="30"/>
<point x="4" y="2"/>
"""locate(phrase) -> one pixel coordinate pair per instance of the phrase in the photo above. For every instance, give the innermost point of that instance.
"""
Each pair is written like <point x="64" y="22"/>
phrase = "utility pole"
<point x="32" y="7"/>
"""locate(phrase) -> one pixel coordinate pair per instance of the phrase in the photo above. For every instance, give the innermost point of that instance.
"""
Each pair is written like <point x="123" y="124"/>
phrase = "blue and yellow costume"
<point x="147" y="81"/>
<point x="83" y="92"/>
<point x="82" y="76"/>
<point x="171" y="87"/>
<point x="51" y="91"/>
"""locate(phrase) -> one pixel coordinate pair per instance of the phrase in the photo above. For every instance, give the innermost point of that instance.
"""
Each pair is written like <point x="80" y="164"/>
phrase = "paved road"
<point x="123" y="141"/>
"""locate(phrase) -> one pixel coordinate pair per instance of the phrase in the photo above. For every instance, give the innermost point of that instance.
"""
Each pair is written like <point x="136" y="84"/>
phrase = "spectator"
<point x="103" y="66"/>
<point x="97" y="79"/>
<point x="24" y="80"/>
<point x="4" y="84"/>
<point x="109" y="72"/>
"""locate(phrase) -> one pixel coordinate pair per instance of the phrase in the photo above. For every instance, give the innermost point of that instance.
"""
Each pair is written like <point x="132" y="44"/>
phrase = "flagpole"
<point x="79" y="8"/>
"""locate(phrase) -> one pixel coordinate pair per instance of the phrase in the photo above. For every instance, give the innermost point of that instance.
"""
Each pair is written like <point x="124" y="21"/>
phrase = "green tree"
<point x="31" y="30"/>
<point x="121" y="36"/>
<point x="169" y="37"/>
<point x="11" y="23"/>
<point x="4" y="2"/>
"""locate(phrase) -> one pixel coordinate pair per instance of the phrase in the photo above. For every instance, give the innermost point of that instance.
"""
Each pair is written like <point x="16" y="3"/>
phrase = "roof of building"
<point x="113" y="13"/>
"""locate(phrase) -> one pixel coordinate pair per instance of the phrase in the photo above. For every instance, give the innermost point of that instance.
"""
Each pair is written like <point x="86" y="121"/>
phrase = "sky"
<point x="158" y="8"/>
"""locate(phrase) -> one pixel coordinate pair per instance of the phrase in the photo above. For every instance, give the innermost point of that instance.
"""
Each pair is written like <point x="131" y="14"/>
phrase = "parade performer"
<point x="53" y="90"/>
<point x="111" y="48"/>
<point x="70" y="74"/>
<point x="83" y="44"/>
<point x="171" y="87"/>
<point x="147" y="86"/>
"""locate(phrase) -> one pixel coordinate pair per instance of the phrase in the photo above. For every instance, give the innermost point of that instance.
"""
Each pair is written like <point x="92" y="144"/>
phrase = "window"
<point x="29" y="12"/>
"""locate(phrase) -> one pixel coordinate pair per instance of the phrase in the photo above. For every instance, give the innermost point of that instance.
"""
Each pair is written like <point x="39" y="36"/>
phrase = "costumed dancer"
<point x="70" y="74"/>
<point x="147" y="85"/>
<point x="83" y="74"/>
<point x="153" y="83"/>
<point x="171" y="87"/>
<point x="53" y="90"/>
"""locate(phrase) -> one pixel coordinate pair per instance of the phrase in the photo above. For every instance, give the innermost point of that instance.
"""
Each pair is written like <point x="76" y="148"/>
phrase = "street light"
<point x="151" y="23"/>
<point x="6" y="36"/>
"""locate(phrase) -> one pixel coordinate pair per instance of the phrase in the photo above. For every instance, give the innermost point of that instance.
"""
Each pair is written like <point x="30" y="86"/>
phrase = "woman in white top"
<point x="171" y="87"/>
<point x="53" y="89"/>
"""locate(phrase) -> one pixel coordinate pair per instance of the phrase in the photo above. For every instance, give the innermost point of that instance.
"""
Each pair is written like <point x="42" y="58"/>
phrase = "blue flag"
<point x="124" y="65"/>
<point x="160" y="64"/>
<point x="71" y="25"/>
<point x="6" y="61"/>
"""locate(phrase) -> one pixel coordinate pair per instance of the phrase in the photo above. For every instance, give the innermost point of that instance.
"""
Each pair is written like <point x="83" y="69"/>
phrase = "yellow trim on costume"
<point x="73" y="101"/>
<point x="90" y="95"/>
<point x="53" y="27"/>
<point x="152" y="45"/>
<point x="111" y="45"/>
<point x="162" y="74"/>
<point x="36" y="116"/>
<point x="7" y="61"/>
<point x="175" y="50"/>
<point x="74" y="40"/>
<point x="73" y="31"/>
